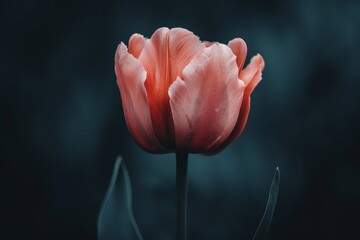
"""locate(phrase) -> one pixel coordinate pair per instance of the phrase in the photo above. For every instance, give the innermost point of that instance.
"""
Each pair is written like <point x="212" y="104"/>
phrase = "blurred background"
<point x="62" y="124"/>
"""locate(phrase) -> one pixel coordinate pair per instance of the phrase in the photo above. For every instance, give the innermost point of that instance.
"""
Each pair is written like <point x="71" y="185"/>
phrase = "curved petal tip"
<point x="136" y="44"/>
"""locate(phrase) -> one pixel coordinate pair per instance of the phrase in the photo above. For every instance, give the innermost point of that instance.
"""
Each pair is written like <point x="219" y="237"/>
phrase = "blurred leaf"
<point x="129" y="201"/>
<point x="119" y="163"/>
<point x="264" y="225"/>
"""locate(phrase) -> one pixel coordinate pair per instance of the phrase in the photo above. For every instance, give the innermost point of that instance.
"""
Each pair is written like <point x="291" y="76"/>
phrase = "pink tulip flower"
<point x="183" y="95"/>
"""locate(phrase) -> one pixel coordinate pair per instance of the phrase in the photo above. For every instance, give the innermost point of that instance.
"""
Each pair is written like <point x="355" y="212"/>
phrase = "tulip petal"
<point x="130" y="78"/>
<point x="251" y="76"/>
<point x="239" y="48"/>
<point x="164" y="57"/>
<point x="207" y="43"/>
<point x="184" y="45"/>
<point x="136" y="44"/>
<point x="205" y="104"/>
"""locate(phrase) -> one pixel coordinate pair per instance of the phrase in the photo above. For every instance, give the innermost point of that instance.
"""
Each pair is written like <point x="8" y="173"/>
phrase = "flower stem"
<point x="181" y="187"/>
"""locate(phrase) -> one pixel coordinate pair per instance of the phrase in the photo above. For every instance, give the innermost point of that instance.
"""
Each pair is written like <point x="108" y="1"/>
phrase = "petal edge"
<point x="205" y="104"/>
<point x="130" y="78"/>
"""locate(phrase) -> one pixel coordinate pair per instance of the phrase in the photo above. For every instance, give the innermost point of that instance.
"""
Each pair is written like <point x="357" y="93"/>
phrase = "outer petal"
<point x="239" y="48"/>
<point x="251" y="75"/>
<point x="130" y="78"/>
<point x="136" y="44"/>
<point x="205" y="105"/>
<point x="164" y="57"/>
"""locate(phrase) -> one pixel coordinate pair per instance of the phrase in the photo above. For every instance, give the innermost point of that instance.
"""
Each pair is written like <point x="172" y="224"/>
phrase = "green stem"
<point x="181" y="187"/>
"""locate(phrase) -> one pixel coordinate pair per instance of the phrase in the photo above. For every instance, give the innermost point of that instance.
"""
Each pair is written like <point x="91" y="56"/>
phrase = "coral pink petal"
<point x="251" y="76"/>
<point x="205" y="105"/>
<point x="136" y="44"/>
<point x="164" y="57"/>
<point x="184" y="45"/>
<point x="130" y="78"/>
<point x="239" y="48"/>
<point x="239" y="127"/>
<point x="207" y="43"/>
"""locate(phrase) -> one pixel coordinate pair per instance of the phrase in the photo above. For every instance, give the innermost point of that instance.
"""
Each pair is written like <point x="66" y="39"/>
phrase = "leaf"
<point x="263" y="228"/>
<point x="129" y="201"/>
<point x="119" y="163"/>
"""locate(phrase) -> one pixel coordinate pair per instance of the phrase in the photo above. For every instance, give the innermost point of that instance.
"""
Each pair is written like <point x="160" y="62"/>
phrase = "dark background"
<point x="62" y="124"/>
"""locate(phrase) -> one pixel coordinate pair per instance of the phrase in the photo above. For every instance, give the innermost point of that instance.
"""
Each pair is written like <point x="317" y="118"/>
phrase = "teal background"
<point x="62" y="124"/>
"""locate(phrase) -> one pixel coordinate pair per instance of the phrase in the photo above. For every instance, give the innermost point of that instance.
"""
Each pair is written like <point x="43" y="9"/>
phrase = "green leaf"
<point x="109" y="196"/>
<point x="263" y="228"/>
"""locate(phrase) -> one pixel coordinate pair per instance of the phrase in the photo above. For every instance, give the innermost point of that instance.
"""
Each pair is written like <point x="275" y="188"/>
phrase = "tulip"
<point x="185" y="96"/>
